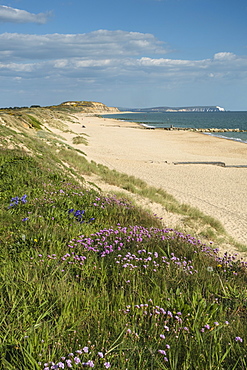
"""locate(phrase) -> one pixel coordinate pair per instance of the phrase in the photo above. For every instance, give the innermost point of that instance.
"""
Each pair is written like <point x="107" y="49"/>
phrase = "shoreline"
<point x="218" y="191"/>
<point x="213" y="131"/>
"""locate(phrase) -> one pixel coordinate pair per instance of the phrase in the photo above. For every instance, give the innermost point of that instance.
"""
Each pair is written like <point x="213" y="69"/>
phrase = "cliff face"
<point x="89" y="106"/>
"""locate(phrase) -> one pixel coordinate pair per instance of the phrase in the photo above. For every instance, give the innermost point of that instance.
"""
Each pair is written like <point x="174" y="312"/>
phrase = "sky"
<point x="124" y="53"/>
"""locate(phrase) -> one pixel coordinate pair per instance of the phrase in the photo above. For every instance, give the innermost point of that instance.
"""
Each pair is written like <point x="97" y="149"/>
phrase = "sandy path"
<point x="151" y="154"/>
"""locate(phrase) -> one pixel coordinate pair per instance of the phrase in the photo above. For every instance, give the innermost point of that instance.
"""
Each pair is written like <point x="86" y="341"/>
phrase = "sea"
<point x="195" y="120"/>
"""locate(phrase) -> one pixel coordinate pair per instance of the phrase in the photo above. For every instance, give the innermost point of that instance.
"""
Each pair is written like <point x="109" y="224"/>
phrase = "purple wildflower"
<point x="69" y="363"/>
<point x="238" y="339"/>
<point x="24" y="199"/>
<point x="90" y="363"/>
<point x="162" y="351"/>
<point x="77" y="360"/>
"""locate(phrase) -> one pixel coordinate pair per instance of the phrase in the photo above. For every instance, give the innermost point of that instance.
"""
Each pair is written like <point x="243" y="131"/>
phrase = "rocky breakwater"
<point x="223" y="130"/>
<point x="209" y="130"/>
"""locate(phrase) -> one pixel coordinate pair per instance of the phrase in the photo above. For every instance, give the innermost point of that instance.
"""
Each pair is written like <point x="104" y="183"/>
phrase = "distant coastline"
<point x="201" y="109"/>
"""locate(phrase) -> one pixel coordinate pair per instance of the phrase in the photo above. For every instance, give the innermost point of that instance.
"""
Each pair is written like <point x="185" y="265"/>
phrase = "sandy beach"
<point x="159" y="157"/>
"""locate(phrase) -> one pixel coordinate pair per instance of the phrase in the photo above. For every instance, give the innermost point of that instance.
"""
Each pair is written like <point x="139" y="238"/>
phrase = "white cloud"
<point x="17" y="67"/>
<point x="102" y="54"/>
<point x="224" y="56"/>
<point x="13" y="15"/>
<point x="107" y="60"/>
<point x="105" y="53"/>
<point x="94" y="44"/>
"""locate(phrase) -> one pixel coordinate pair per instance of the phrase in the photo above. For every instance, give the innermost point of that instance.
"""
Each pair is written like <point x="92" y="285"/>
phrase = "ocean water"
<point x="218" y="120"/>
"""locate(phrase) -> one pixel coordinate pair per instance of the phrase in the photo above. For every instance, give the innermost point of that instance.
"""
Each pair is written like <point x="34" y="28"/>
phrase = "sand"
<point x="155" y="156"/>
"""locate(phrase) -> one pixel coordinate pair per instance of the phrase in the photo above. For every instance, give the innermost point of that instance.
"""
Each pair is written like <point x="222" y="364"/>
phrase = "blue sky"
<point x="125" y="53"/>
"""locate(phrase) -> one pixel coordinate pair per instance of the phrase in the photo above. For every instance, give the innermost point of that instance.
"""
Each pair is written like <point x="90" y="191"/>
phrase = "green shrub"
<point x="34" y="122"/>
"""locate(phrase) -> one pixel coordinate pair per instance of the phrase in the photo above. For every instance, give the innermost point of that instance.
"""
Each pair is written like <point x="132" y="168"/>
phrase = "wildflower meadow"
<point x="90" y="280"/>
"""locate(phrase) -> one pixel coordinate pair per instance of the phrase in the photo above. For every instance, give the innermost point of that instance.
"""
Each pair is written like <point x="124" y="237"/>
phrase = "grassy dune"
<point x="92" y="280"/>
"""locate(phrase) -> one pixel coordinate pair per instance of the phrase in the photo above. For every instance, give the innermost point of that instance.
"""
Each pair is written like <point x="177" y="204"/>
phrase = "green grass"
<point x="94" y="275"/>
<point x="57" y="296"/>
<point x="80" y="140"/>
<point x="34" y="122"/>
